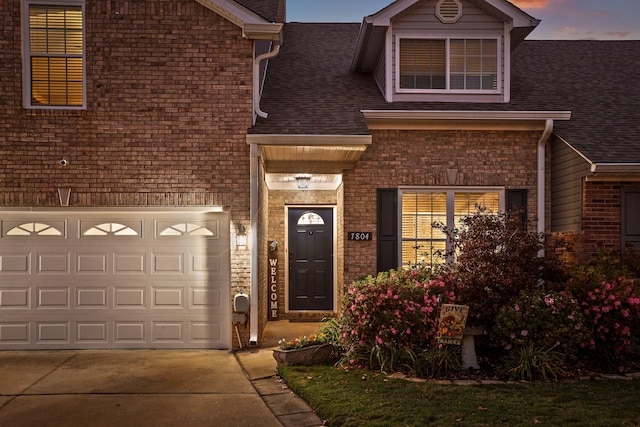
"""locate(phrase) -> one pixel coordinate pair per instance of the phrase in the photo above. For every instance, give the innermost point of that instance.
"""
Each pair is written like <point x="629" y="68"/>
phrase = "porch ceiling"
<point x="313" y="154"/>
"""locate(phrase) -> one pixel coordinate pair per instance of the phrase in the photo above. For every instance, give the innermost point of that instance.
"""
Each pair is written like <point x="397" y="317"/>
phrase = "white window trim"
<point x="26" y="62"/>
<point x="450" y="191"/>
<point x="447" y="38"/>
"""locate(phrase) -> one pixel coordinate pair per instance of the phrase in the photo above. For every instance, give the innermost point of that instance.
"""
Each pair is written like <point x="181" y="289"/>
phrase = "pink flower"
<point x="517" y="307"/>
<point x="524" y="332"/>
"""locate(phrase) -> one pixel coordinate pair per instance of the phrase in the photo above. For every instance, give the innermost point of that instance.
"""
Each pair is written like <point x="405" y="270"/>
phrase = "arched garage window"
<point x="34" y="228"/>
<point x="186" y="229"/>
<point x="110" y="228"/>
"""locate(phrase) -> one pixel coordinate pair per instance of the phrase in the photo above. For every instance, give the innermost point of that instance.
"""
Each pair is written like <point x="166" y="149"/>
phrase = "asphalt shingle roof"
<point x="268" y="9"/>
<point x="310" y="89"/>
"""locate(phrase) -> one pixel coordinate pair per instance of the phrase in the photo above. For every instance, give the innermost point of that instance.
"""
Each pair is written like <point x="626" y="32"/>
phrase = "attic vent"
<point x="448" y="11"/>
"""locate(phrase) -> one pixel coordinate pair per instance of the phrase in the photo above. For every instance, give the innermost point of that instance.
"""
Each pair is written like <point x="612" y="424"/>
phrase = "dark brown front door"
<point x="310" y="259"/>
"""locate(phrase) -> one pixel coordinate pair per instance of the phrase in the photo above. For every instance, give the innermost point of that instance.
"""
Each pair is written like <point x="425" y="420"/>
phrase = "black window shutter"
<point x="387" y="208"/>
<point x="517" y="203"/>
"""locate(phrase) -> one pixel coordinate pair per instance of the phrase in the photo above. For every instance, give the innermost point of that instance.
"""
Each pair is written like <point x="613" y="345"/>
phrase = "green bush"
<point x="388" y="317"/>
<point x="543" y="319"/>
<point x="611" y="307"/>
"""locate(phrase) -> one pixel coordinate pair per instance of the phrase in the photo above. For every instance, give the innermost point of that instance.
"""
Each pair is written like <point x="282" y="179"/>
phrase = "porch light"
<point x="241" y="236"/>
<point x="303" y="181"/>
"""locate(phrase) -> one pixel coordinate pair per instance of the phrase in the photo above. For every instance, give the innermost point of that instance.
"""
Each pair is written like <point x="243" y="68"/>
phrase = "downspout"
<point x="254" y="165"/>
<point x="256" y="80"/>
<point x="253" y="244"/>
<point x="546" y="134"/>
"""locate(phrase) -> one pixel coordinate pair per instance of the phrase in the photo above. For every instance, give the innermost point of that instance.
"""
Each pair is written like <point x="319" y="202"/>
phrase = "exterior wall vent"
<point x="448" y="11"/>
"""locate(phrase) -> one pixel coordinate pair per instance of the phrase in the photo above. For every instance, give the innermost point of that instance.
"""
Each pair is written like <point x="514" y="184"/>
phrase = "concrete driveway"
<point x="128" y="388"/>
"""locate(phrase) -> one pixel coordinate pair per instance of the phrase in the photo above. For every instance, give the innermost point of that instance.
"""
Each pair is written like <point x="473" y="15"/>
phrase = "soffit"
<point x="315" y="154"/>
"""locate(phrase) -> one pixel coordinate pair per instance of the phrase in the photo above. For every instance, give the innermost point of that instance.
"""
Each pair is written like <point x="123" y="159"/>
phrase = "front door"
<point x="310" y="258"/>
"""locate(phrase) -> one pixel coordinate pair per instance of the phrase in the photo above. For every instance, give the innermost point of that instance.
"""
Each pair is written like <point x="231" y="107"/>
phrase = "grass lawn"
<point x="364" y="398"/>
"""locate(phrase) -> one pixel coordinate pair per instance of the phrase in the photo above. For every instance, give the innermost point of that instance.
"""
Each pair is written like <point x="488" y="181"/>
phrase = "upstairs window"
<point x="54" y="69"/>
<point x="455" y="65"/>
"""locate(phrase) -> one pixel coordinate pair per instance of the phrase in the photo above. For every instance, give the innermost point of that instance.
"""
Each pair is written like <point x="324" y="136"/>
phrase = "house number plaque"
<point x="360" y="236"/>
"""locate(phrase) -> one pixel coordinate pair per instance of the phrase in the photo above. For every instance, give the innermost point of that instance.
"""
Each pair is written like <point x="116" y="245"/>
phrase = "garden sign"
<point x="453" y="318"/>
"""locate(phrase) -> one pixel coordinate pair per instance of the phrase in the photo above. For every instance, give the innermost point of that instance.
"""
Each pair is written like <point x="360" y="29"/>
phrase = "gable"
<point x="497" y="23"/>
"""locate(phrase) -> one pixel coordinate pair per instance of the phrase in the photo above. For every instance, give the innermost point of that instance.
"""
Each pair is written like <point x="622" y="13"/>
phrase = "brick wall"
<point x="601" y="221"/>
<point x="420" y="158"/>
<point x="169" y="100"/>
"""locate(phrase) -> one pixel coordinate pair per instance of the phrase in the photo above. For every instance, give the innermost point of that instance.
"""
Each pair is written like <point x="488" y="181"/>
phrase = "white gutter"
<point x="615" y="167"/>
<point x="253" y="244"/>
<point x="548" y="129"/>
<point x="256" y="81"/>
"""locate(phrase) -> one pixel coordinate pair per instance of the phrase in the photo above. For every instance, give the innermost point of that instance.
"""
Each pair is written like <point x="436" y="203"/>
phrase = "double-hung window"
<point x="54" y="54"/>
<point x="448" y="64"/>
<point x="424" y="244"/>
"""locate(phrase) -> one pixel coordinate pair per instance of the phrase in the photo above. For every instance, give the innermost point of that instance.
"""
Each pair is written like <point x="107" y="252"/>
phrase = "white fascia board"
<point x="293" y="140"/>
<point x="615" y="168"/>
<point x="268" y="31"/>
<point x="233" y="12"/>
<point x="520" y="18"/>
<point x="383" y="17"/>
<point x="465" y="115"/>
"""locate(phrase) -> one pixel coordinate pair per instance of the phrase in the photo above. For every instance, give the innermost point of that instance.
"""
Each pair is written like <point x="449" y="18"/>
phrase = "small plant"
<point x="439" y="361"/>
<point x="530" y="363"/>
<point x="301" y="342"/>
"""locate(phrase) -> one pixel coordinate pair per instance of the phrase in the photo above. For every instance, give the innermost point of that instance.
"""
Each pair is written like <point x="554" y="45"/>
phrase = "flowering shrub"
<point x="496" y="256"/>
<point x="301" y="342"/>
<point x="391" y="313"/>
<point x="541" y="319"/>
<point x="611" y="308"/>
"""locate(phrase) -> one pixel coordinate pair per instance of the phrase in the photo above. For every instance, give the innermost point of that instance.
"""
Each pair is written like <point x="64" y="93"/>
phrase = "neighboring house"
<point x="190" y="176"/>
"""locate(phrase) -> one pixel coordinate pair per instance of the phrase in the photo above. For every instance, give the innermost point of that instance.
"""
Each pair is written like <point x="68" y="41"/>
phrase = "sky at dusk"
<point x="561" y="19"/>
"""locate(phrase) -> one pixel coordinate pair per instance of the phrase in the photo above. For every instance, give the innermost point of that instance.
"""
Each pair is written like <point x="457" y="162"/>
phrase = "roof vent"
<point x="448" y="11"/>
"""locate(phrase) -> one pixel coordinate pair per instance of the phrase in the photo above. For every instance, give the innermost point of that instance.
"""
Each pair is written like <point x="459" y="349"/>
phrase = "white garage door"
<point x="114" y="279"/>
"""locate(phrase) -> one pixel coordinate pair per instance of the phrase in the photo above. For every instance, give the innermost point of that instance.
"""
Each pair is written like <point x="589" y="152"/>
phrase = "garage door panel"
<point x="167" y="297"/>
<point x="54" y="263"/>
<point x="167" y="331"/>
<point x="206" y="298"/>
<point x="129" y="332"/>
<point x="137" y="280"/>
<point x="95" y="263"/>
<point x="17" y="333"/>
<point x="91" y="298"/>
<point x="53" y="298"/>
<point x="205" y="263"/>
<point x="15" y="263"/>
<point x="12" y="298"/>
<point x="168" y="263"/>
<point x="129" y="263"/>
<point x="129" y="298"/>
<point x="92" y="332"/>
<point x="205" y="332"/>
<point x="53" y="332"/>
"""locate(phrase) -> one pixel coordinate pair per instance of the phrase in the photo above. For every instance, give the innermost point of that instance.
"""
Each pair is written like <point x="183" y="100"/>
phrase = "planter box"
<point x="312" y="355"/>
